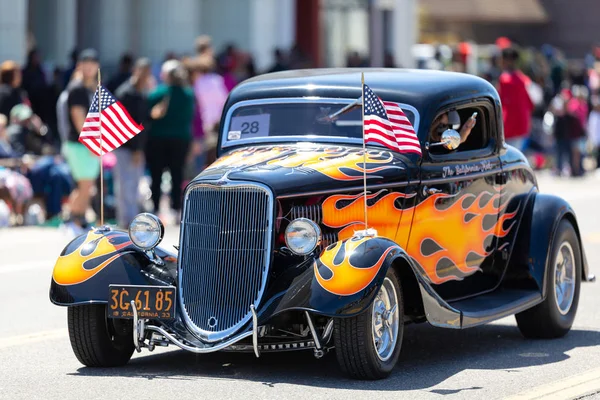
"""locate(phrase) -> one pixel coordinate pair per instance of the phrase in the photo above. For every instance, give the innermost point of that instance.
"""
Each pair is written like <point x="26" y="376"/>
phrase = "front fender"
<point x="97" y="259"/>
<point x="342" y="281"/>
<point x="547" y="212"/>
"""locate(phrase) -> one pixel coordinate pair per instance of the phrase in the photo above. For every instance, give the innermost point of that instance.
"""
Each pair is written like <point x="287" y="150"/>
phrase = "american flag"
<point x="117" y="125"/>
<point x="386" y="124"/>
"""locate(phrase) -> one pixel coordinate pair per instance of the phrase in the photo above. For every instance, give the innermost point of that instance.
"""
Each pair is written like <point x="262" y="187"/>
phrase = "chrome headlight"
<point x="302" y="236"/>
<point x="146" y="231"/>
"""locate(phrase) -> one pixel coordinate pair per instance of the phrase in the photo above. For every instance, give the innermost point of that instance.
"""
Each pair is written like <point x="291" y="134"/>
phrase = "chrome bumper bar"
<point x="140" y="328"/>
<point x="193" y="349"/>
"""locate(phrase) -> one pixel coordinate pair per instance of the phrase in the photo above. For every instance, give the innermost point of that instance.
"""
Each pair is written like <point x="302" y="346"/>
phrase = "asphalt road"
<point x="488" y="362"/>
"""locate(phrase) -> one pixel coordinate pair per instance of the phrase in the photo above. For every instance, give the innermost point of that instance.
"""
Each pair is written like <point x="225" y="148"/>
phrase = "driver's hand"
<point x="465" y="131"/>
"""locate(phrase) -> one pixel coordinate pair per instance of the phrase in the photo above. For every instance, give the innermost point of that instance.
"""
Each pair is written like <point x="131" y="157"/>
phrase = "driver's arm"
<point x="465" y="130"/>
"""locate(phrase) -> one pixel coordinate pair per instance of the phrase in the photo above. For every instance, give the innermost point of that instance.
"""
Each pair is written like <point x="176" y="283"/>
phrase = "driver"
<point x="451" y="120"/>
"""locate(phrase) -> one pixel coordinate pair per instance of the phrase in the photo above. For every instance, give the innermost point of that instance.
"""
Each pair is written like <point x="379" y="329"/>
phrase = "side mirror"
<point x="450" y="140"/>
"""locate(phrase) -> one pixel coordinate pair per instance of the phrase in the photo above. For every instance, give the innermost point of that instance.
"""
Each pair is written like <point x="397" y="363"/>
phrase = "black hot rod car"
<point x="269" y="258"/>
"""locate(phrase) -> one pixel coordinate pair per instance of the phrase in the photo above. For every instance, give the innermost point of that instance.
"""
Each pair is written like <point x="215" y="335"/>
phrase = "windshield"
<point x="264" y="122"/>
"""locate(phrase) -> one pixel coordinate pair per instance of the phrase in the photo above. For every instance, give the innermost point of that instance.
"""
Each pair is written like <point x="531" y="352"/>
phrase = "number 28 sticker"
<point x="247" y="127"/>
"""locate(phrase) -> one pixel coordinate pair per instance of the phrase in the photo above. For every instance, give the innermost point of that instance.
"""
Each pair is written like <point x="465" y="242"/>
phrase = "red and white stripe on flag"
<point x="116" y="125"/>
<point x="386" y="124"/>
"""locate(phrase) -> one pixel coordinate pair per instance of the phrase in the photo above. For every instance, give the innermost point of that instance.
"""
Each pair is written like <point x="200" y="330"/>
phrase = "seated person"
<point x="6" y="150"/>
<point x="450" y="120"/>
<point x="47" y="176"/>
<point x="26" y="132"/>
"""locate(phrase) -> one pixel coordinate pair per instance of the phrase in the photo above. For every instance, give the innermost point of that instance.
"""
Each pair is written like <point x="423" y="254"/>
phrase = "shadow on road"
<point x="429" y="356"/>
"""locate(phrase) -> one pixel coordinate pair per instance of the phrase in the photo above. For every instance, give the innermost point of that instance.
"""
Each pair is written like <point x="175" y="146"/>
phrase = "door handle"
<point x="501" y="178"/>
<point x="427" y="191"/>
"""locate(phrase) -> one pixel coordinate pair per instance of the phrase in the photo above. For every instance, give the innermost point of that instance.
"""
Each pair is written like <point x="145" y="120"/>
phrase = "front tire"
<point x="98" y="341"/>
<point x="368" y="345"/>
<point x="554" y="317"/>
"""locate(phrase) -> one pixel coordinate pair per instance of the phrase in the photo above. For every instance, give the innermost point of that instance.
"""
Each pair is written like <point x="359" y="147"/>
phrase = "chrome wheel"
<point x="564" y="278"/>
<point x="385" y="320"/>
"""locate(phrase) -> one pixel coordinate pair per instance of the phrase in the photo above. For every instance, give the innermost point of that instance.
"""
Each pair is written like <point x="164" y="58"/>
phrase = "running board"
<point x="477" y="310"/>
<point x="495" y="305"/>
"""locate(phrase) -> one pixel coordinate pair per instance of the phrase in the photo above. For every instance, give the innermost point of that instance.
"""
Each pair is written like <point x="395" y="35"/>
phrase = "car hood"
<point x="307" y="167"/>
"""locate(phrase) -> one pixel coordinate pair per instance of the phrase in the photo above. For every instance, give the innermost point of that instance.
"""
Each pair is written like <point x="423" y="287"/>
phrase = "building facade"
<point x="571" y="25"/>
<point x="325" y="30"/>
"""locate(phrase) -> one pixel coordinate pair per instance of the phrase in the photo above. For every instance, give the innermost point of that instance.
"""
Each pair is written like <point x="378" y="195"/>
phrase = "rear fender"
<point x="97" y="259"/>
<point x="548" y="211"/>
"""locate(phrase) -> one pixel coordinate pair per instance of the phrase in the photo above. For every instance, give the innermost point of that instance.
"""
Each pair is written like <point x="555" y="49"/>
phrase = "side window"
<point x="458" y="119"/>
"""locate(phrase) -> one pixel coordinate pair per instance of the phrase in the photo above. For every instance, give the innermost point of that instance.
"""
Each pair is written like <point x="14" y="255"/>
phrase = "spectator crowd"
<point x="550" y="105"/>
<point x="551" y="111"/>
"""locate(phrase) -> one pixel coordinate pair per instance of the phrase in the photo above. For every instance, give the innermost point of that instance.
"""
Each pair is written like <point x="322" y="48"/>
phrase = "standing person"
<point x="211" y="92"/>
<point x="517" y="106"/>
<point x="11" y="93"/>
<point x="567" y="128"/>
<point x="67" y="76"/>
<point x="204" y="46"/>
<point x="85" y="167"/>
<point x="122" y="74"/>
<point x="578" y="107"/>
<point x="172" y="110"/>
<point x="62" y="108"/>
<point x="129" y="168"/>
<point x="54" y="91"/>
<point x="280" y="61"/>
<point x="36" y="86"/>
<point x="594" y="127"/>
<point x="196" y="157"/>
<point x="228" y="63"/>
<point x="211" y="95"/>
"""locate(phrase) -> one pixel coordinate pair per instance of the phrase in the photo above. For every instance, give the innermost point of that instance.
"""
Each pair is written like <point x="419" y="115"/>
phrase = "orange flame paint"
<point x="247" y="157"/>
<point x="383" y="215"/>
<point x="456" y="231"/>
<point x="347" y="279"/>
<point x="70" y="270"/>
<point x="337" y="163"/>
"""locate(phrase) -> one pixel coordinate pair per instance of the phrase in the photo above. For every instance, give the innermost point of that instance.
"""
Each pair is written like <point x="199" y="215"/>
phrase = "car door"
<point x="454" y="231"/>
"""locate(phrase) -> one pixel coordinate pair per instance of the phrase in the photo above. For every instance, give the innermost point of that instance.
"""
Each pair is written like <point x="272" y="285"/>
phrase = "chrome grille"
<point x="224" y="255"/>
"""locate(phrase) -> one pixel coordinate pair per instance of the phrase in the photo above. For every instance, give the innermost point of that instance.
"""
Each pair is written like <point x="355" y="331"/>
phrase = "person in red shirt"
<point x="517" y="106"/>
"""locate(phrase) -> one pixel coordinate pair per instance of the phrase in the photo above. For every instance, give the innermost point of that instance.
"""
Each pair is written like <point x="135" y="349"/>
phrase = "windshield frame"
<point x="225" y="143"/>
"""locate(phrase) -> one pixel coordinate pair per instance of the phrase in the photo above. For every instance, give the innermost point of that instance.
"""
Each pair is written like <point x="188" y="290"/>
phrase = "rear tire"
<point x="355" y="339"/>
<point x="554" y="317"/>
<point x="98" y="341"/>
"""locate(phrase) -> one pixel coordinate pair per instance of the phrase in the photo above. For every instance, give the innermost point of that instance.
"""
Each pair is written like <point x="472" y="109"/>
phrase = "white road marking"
<point x="592" y="237"/>
<point x="568" y="388"/>
<point x="32" y="338"/>
<point x="26" y="266"/>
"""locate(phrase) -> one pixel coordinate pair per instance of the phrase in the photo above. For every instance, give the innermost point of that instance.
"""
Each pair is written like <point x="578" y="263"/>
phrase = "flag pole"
<point x="362" y="79"/>
<point x="101" y="150"/>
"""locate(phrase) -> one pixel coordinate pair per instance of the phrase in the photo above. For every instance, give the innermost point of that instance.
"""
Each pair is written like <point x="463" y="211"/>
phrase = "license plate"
<point x="151" y="302"/>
